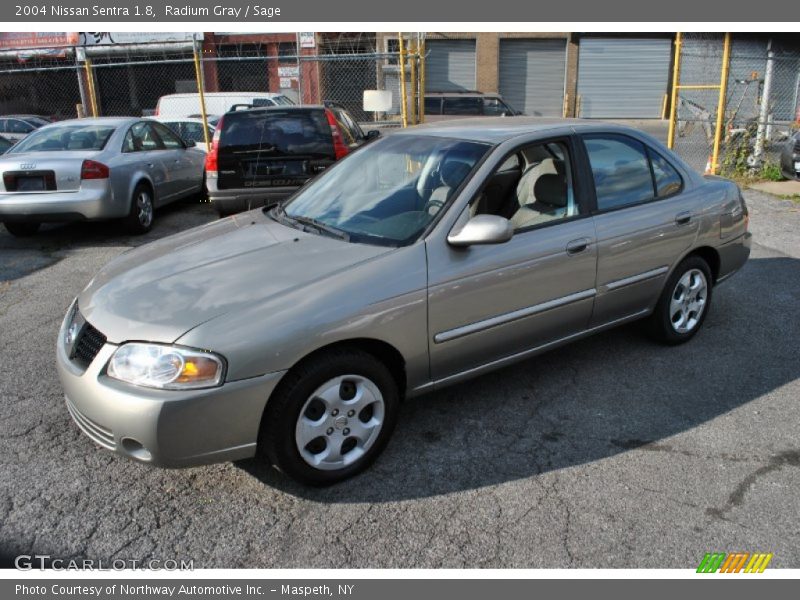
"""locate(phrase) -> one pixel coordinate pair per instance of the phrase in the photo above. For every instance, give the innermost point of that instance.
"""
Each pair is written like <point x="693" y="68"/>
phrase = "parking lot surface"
<point x="611" y="452"/>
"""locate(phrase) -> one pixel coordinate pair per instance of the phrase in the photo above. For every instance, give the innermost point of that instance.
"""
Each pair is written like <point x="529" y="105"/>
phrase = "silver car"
<point x="89" y="169"/>
<point x="433" y="255"/>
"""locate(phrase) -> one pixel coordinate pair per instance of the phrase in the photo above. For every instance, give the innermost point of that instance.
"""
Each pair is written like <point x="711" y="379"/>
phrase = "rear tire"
<point x="330" y="417"/>
<point x="684" y="303"/>
<point x="22" y="229"/>
<point x="142" y="213"/>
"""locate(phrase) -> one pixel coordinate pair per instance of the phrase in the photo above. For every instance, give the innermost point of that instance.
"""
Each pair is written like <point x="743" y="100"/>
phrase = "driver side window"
<point x="532" y="187"/>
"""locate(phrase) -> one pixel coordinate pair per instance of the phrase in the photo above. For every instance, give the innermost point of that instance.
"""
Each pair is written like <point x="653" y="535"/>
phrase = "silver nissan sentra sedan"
<point x="91" y="169"/>
<point x="436" y="254"/>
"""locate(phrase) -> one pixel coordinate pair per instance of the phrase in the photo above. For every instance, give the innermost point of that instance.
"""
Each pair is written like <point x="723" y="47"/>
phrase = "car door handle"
<point x="683" y="218"/>
<point x="578" y="246"/>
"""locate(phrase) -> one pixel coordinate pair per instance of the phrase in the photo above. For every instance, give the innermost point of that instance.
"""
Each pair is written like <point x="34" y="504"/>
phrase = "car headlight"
<point x="166" y="367"/>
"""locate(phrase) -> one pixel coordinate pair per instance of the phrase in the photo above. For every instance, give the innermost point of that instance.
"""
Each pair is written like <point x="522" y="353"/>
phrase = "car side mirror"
<point x="373" y="134"/>
<point x="482" y="229"/>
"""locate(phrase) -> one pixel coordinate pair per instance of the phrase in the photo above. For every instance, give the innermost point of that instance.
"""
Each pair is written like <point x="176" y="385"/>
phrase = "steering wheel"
<point x="433" y="206"/>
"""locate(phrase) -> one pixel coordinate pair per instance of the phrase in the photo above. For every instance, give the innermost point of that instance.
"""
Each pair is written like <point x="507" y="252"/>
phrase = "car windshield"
<point x="389" y="192"/>
<point x="74" y="136"/>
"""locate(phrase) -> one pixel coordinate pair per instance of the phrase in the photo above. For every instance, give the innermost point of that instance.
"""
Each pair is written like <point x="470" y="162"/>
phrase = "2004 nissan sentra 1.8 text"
<point x="436" y="254"/>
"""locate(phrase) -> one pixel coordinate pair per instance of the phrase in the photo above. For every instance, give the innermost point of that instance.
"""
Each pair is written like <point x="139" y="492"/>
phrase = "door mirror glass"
<point x="482" y="229"/>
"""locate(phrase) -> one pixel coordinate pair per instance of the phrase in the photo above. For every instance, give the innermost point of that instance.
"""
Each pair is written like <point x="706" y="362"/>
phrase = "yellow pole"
<point x="413" y="51"/>
<point x="723" y="90"/>
<point x="403" y="107"/>
<point x="676" y="74"/>
<point x="422" y="80"/>
<point x="90" y="80"/>
<point x="199" y="75"/>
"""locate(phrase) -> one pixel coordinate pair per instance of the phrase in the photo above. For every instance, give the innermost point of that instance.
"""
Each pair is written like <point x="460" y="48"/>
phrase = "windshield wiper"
<point x="313" y="223"/>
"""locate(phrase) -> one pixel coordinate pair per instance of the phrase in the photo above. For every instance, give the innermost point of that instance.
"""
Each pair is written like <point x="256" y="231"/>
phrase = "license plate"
<point x="30" y="184"/>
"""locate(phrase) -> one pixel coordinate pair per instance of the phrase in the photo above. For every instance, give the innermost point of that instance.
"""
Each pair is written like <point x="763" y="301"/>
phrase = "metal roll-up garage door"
<point x="532" y="75"/>
<point x="450" y="65"/>
<point x="623" y="78"/>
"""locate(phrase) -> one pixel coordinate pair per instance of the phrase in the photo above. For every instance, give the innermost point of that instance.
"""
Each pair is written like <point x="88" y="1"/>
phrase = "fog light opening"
<point x="136" y="449"/>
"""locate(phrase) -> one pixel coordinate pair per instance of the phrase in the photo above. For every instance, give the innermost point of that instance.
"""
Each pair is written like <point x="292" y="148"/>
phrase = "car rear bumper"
<point x="160" y="427"/>
<point x="238" y="200"/>
<point x="92" y="203"/>
<point x="733" y="255"/>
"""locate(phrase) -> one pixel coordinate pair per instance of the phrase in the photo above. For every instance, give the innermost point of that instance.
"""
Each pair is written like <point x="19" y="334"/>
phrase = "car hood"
<point x="160" y="291"/>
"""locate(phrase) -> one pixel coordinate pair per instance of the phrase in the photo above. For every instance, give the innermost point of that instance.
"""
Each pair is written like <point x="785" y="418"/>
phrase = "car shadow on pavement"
<point x="587" y="401"/>
<point x="23" y="256"/>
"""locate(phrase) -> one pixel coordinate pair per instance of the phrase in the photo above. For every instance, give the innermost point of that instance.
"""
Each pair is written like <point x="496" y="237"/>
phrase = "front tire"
<point x="22" y="229"/>
<point x="142" y="212"/>
<point x="330" y="417"/>
<point x="684" y="303"/>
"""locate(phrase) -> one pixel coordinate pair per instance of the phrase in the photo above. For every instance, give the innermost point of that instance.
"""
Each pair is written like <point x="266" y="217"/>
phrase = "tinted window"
<point x="349" y="127"/>
<point x="3" y="126"/>
<point x="191" y="132"/>
<point x="141" y="138"/>
<point x="495" y="107"/>
<point x="668" y="181"/>
<point x="76" y="136"/>
<point x="285" y="131"/>
<point x="469" y="105"/>
<point x="169" y="139"/>
<point x="4" y="145"/>
<point x="621" y="171"/>
<point x="17" y="126"/>
<point x="433" y="105"/>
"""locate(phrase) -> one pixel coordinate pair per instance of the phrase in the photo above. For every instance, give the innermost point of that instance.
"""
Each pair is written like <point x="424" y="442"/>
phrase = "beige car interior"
<point x="530" y="188"/>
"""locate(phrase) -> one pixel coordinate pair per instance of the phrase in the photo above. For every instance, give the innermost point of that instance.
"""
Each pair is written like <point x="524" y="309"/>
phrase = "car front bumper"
<point x="161" y="427"/>
<point x="227" y="202"/>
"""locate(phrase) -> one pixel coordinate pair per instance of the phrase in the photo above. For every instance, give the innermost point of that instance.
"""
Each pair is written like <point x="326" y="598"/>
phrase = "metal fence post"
<point x="198" y="69"/>
<point x="422" y="78"/>
<point x="413" y="51"/>
<point x="87" y="63"/>
<point x="673" y="109"/>
<point x="723" y="90"/>
<point x="763" y="112"/>
<point x="403" y="106"/>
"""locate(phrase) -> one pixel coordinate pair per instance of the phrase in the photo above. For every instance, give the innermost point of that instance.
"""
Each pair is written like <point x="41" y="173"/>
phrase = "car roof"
<point x="215" y="94"/>
<point x="465" y="94"/>
<point x="495" y="130"/>
<point x="116" y="121"/>
<point x="293" y="108"/>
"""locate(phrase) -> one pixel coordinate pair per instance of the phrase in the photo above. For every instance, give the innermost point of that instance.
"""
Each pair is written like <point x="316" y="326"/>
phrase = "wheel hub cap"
<point x="339" y="422"/>
<point x="688" y="302"/>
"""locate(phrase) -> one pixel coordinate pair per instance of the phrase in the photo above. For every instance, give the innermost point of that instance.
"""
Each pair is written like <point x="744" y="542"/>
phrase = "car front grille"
<point x="98" y="433"/>
<point x="88" y="344"/>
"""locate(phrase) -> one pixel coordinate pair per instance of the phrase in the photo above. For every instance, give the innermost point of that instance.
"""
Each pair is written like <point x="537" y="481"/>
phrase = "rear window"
<point x="283" y="132"/>
<point x="55" y="138"/>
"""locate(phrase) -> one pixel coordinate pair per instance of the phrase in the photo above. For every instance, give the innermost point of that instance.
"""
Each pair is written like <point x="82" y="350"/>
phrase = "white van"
<point x="217" y="103"/>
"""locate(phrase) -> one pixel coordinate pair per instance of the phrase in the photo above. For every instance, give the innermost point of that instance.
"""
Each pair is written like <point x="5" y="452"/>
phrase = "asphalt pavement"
<point x="611" y="452"/>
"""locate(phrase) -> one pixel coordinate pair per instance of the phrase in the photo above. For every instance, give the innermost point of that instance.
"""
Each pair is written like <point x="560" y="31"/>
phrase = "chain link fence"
<point x="130" y="80"/>
<point x="753" y="82"/>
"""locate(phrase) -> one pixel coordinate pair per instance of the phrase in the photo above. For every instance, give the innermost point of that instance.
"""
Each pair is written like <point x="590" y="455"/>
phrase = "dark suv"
<point x="260" y="156"/>
<point x="441" y="106"/>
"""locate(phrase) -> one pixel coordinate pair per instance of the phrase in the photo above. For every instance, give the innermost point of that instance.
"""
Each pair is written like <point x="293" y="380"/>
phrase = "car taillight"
<point x="91" y="169"/>
<point x="213" y="153"/>
<point x="340" y="149"/>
